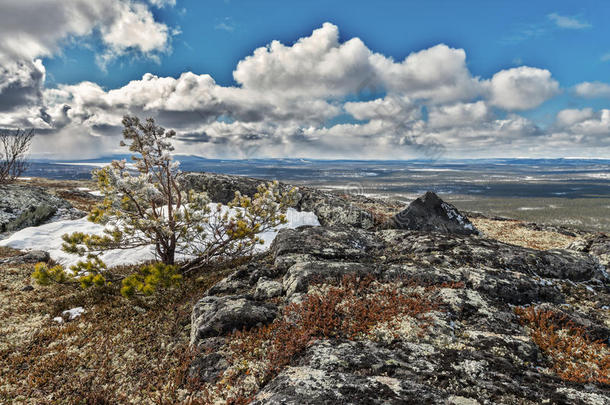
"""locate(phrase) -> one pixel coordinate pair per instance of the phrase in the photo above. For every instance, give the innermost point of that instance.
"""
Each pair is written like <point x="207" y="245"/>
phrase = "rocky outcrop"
<point x="431" y="214"/>
<point x="34" y="256"/>
<point x="331" y="209"/>
<point x="221" y="188"/>
<point x="597" y="245"/>
<point x="475" y="350"/>
<point x="24" y="206"/>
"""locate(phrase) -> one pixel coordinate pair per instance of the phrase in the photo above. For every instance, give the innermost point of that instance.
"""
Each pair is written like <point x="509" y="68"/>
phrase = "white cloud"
<point x="287" y="99"/>
<point x="522" y="88"/>
<point x="589" y="123"/>
<point x="226" y="24"/>
<point x="36" y="28"/>
<point x="21" y="83"/>
<point x="317" y="65"/>
<point x="569" y="117"/>
<point x="163" y="3"/>
<point x="388" y="108"/>
<point x="592" y="90"/>
<point x="437" y="74"/>
<point x="459" y="115"/>
<point x="134" y="28"/>
<point x="568" y="22"/>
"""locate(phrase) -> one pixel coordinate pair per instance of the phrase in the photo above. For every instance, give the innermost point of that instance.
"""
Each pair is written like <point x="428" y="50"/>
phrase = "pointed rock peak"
<point x="431" y="214"/>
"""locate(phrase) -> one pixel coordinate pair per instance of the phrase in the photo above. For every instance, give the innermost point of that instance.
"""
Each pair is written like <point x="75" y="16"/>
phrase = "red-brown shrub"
<point x="574" y="355"/>
<point x="349" y="309"/>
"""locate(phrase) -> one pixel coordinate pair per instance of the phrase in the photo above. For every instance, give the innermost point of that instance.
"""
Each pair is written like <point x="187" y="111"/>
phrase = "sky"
<point x="311" y="79"/>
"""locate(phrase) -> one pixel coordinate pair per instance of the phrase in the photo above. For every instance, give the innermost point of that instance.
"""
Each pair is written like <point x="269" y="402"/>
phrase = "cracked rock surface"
<point x="475" y="350"/>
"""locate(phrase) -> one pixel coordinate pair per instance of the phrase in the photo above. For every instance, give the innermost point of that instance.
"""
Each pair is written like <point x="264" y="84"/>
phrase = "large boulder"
<point x="431" y="214"/>
<point x="216" y="316"/>
<point x="23" y="206"/>
<point x="470" y="349"/>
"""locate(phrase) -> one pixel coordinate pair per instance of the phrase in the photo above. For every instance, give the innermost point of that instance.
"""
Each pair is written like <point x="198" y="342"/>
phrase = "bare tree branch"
<point x="14" y="148"/>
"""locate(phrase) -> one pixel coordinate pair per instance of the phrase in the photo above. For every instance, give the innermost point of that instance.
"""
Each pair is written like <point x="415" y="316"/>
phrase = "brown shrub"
<point x="351" y="310"/>
<point x="574" y="355"/>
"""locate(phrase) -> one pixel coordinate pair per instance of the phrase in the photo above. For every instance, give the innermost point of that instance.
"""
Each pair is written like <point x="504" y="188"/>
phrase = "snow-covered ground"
<point x="48" y="237"/>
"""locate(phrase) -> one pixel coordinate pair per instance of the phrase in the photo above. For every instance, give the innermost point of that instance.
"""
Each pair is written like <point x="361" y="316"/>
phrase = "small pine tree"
<point x="147" y="205"/>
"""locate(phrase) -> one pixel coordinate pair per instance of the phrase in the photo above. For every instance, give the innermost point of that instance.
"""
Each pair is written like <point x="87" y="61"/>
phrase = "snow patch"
<point x="73" y="313"/>
<point x="48" y="237"/>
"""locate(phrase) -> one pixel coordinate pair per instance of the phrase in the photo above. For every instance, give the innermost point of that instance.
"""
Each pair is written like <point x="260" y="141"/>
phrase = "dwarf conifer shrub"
<point x="147" y="204"/>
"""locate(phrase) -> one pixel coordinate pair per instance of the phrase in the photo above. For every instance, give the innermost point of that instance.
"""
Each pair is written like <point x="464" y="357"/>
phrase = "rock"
<point x="305" y="385"/>
<point x="34" y="256"/>
<point x="330" y="208"/>
<point x="597" y="245"/>
<point x="333" y="210"/>
<point x="22" y="206"/>
<point x="458" y="250"/>
<point x="221" y="188"/>
<point x="470" y="349"/>
<point x="302" y="274"/>
<point x="208" y="367"/>
<point x="266" y="289"/>
<point x="431" y="214"/>
<point x="80" y="194"/>
<point x="27" y="288"/>
<point x="336" y="243"/>
<point x="216" y="316"/>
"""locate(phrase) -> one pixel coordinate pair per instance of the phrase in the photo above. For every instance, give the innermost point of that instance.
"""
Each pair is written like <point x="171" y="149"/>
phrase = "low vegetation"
<point x="574" y="356"/>
<point x="515" y="233"/>
<point x="118" y="351"/>
<point x="353" y="309"/>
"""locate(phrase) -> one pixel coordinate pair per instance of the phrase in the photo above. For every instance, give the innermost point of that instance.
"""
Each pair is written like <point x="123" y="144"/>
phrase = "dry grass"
<point x="514" y="233"/>
<point x="119" y="351"/>
<point x="52" y="184"/>
<point x="573" y="354"/>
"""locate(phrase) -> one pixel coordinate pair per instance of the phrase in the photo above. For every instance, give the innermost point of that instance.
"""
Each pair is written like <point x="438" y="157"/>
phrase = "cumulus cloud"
<point x="133" y="28"/>
<point x="437" y="74"/>
<point x="569" y="117"/>
<point x="459" y="115"/>
<point x="592" y="90"/>
<point x="35" y="28"/>
<point x="319" y="97"/>
<point x="38" y="28"/>
<point x="317" y="65"/>
<point x="522" y="88"/>
<point x="21" y="84"/>
<point x="585" y="122"/>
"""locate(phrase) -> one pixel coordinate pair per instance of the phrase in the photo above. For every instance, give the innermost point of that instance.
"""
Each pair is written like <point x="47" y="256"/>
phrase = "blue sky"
<point x="216" y="35"/>
<point x="566" y="39"/>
